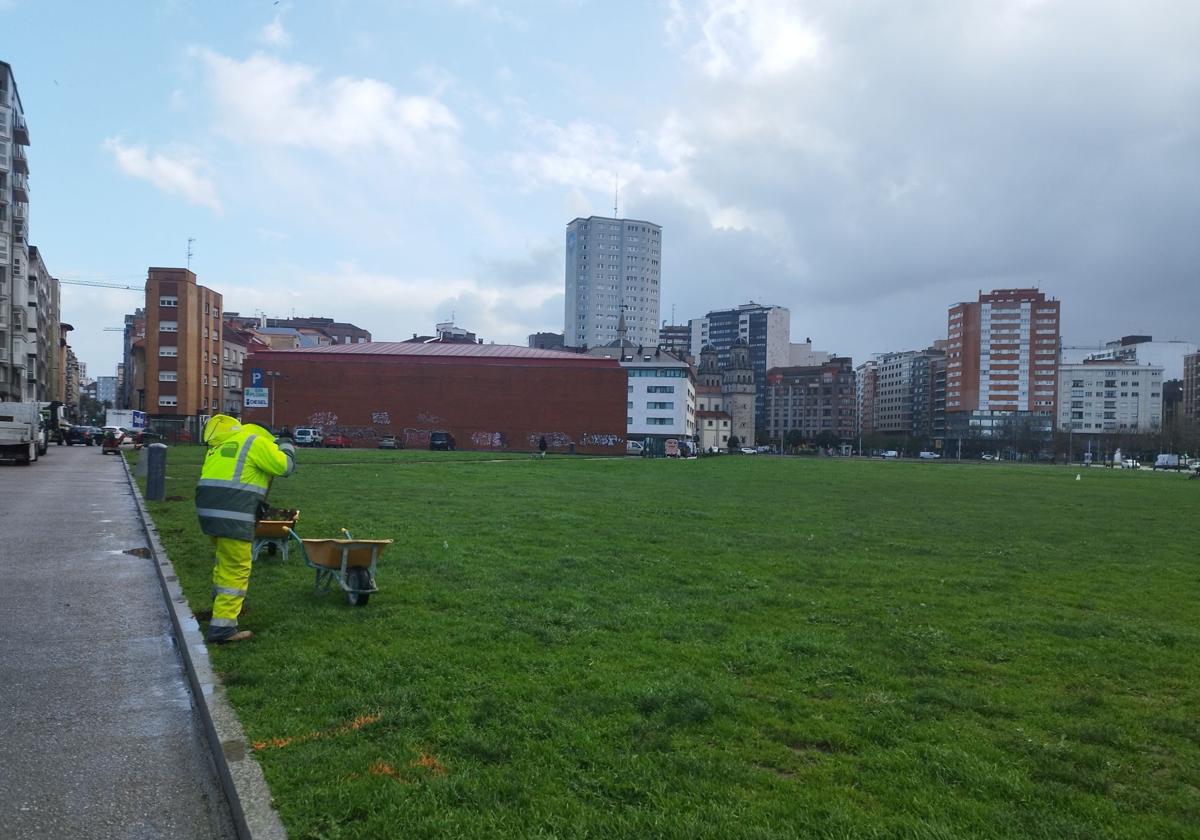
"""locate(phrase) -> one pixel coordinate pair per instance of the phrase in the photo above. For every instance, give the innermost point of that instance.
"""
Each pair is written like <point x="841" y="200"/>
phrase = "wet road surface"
<point x="98" y="733"/>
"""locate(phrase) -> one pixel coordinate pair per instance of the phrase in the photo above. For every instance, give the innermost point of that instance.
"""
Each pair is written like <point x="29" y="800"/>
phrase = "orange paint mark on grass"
<point x="353" y="726"/>
<point x="431" y="764"/>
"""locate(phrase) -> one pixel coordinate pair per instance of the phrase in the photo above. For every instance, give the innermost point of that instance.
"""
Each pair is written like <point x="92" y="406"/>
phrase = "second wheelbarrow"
<point x="348" y="561"/>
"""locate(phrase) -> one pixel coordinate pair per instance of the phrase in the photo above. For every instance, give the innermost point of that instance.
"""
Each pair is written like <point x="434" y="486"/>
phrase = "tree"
<point x="794" y="438"/>
<point x="734" y="443"/>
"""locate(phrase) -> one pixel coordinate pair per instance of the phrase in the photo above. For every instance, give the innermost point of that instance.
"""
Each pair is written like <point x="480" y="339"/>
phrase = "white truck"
<point x="20" y="431"/>
<point x="133" y="420"/>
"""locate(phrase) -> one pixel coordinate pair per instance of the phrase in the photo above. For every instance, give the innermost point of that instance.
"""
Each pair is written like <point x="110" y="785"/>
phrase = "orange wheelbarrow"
<point x="349" y="562"/>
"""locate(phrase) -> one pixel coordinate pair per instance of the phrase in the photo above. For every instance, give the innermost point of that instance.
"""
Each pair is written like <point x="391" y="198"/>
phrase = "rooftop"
<point x="447" y="352"/>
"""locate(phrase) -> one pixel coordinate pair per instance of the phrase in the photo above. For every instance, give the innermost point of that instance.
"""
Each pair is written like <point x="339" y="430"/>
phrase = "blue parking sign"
<point x="256" y="377"/>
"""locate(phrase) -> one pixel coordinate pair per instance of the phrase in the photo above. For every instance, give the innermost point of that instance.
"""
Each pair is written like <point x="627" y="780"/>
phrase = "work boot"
<point x="234" y="636"/>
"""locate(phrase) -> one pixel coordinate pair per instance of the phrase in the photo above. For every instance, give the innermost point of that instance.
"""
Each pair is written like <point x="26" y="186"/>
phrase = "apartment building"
<point x="661" y="392"/>
<point x="812" y="400"/>
<point x="866" y="381"/>
<point x="1144" y="350"/>
<point x="613" y="267"/>
<point x="1191" y="386"/>
<point x="676" y="339"/>
<point x="1002" y="353"/>
<point x="42" y="304"/>
<point x="18" y="300"/>
<point x="766" y="330"/>
<point x="183" y="348"/>
<point x="1107" y="396"/>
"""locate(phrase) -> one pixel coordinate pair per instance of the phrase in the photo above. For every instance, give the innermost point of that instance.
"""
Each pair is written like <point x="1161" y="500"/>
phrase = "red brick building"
<point x="1002" y="353"/>
<point x="489" y="396"/>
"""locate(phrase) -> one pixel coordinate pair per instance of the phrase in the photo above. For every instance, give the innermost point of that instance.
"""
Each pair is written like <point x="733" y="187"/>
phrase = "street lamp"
<point x="273" y="394"/>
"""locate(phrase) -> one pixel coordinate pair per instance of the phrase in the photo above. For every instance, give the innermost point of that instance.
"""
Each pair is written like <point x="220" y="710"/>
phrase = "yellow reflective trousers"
<point x="231" y="577"/>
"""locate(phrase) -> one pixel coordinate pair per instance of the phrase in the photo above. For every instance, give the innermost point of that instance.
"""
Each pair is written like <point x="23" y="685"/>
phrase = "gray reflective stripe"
<point x="228" y="590"/>
<point x="223" y="622"/>
<point x="241" y="461"/>
<point x="225" y="484"/>
<point x="291" y="467"/>
<point x="224" y="514"/>
<point x="223" y="498"/>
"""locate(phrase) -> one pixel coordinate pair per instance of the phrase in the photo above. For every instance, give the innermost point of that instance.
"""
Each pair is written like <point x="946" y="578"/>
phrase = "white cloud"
<point x="263" y="100"/>
<point x="274" y="35"/>
<point x="179" y="174"/>
<point x="748" y="38"/>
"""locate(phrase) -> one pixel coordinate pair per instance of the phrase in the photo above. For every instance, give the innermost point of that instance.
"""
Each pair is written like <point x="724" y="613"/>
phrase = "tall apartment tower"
<point x="1191" y="386"/>
<point x="613" y="266"/>
<point x="767" y="331"/>
<point x="1002" y="353"/>
<point x="183" y="347"/>
<point x="18" y="303"/>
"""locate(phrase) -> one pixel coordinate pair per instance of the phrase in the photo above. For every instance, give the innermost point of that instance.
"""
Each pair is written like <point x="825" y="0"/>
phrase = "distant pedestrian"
<point x="542" y="445"/>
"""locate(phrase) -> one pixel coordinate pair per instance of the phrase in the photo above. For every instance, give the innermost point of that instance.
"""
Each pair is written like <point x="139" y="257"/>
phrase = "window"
<point x="167" y="401"/>
<point x="167" y="376"/>
<point x="168" y="300"/>
<point x="658" y="421"/>
<point x="166" y="351"/>
<point x="206" y="382"/>
<point x="168" y="326"/>
<point x="660" y="406"/>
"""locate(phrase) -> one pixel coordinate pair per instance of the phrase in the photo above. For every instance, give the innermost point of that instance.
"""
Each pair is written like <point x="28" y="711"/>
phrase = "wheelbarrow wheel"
<point x="358" y="578"/>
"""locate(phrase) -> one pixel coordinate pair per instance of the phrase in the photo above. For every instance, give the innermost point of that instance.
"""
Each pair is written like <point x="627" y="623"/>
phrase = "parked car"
<point x="988" y="456"/>
<point x="633" y="447"/>
<point x="748" y="450"/>
<point x="441" y="441"/>
<point x="336" y="441"/>
<point x="1130" y="464"/>
<point x="928" y="456"/>
<point x="388" y="442"/>
<point x="79" y="434"/>
<point x="307" y="437"/>
<point x="891" y="453"/>
<point x="1167" y="462"/>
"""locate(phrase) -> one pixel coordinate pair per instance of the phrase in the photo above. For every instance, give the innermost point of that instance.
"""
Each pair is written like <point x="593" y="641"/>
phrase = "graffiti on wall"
<point x="428" y="418"/>
<point x="323" y="420"/>
<point x="416" y="438"/>
<point x="381" y="418"/>
<point x="601" y="440"/>
<point x="489" y="440"/>
<point x="554" y="440"/>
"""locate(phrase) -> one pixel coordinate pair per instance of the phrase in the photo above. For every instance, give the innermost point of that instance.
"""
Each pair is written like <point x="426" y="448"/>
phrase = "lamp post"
<point x="274" y="393"/>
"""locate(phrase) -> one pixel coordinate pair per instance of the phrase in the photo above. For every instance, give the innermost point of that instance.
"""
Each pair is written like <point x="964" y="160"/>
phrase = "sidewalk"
<point x="100" y="736"/>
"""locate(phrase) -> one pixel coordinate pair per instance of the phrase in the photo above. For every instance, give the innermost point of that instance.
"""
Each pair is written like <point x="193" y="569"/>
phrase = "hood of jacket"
<point x="220" y="428"/>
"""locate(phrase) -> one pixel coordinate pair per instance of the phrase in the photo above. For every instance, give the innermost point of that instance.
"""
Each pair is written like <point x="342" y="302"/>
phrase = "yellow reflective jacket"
<point x="237" y="473"/>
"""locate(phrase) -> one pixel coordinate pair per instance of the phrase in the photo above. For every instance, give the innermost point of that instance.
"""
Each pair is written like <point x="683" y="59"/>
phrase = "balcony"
<point x="20" y="163"/>
<point x="20" y="131"/>
<point x="20" y="189"/>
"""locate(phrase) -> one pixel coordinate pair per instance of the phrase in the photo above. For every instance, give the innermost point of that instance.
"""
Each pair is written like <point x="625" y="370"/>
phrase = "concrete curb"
<point x="241" y="778"/>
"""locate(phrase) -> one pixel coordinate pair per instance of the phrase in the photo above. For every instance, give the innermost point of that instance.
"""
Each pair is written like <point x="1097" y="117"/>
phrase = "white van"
<point x="632" y="447"/>
<point x="308" y="437"/>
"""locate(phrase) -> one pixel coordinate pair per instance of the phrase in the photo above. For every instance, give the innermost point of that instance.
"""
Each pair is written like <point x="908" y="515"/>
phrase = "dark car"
<point x="78" y="434"/>
<point x="441" y="441"/>
<point x="336" y="441"/>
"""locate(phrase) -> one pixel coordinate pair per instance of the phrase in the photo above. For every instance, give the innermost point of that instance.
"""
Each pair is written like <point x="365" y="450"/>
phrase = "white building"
<point x="18" y="302"/>
<point x="1099" y="398"/>
<point x="661" y="393"/>
<point x="1144" y="350"/>
<point x="613" y="266"/>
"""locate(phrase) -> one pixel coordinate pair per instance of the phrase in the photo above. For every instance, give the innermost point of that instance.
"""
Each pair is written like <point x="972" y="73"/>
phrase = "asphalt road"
<point x="98" y="733"/>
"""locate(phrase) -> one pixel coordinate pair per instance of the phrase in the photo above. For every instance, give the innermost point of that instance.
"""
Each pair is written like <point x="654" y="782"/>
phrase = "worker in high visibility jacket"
<point x="239" y="466"/>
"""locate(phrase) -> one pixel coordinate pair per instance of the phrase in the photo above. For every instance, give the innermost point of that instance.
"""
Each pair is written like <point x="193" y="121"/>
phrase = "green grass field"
<point x="737" y="647"/>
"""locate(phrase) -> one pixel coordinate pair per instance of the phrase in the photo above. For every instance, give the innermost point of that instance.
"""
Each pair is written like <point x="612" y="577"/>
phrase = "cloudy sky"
<point x="395" y="163"/>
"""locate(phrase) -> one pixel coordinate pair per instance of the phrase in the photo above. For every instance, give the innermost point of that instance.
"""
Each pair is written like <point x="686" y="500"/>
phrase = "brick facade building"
<point x="488" y="396"/>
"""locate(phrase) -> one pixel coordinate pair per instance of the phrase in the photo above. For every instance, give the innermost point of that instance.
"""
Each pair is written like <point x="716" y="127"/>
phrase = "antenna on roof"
<point x="616" y="195"/>
<point x="191" y="239"/>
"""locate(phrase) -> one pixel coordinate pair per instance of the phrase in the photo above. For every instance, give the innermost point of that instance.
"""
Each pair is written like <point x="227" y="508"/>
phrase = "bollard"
<point x="156" y="472"/>
<point x="139" y="469"/>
